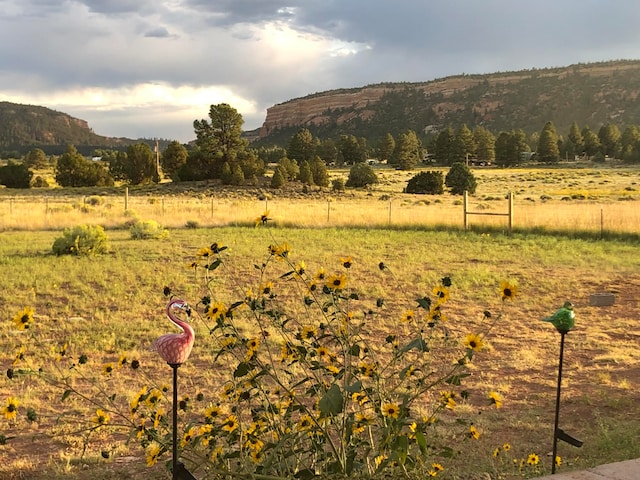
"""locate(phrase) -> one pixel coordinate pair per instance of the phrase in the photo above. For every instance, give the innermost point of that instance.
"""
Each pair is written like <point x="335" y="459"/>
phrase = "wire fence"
<point x="176" y="211"/>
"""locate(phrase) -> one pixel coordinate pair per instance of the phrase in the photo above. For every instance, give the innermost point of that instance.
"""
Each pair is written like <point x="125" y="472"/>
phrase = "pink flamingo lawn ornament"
<point x="175" y="348"/>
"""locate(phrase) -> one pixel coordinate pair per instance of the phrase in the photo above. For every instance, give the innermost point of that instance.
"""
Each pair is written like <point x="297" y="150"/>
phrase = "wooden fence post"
<point x="465" y="207"/>
<point x="510" y="212"/>
<point x="126" y="198"/>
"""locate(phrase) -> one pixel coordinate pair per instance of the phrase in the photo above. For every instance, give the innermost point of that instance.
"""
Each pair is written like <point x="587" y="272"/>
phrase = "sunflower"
<point x="441" y="293"/>
<point x="321" y="275"/>
<point x="508" y="290"/>
<point x="212" y="412"/>
<point x="336" y="282"/>
<point x="474" y="432"/>
<point x="230" y="424"/>
<point x="263" y="219"/>
<point x="495" y="398"/>
<point x="205" y="252"/>
<point x="308" y="332"/>
<point x="10" y="410"/>
<point x="107" y="369"/>
<point x="305" y="423"/>
<point x="558" y="460"/>
<point x="300" y="268"/>
<point x="533" y="459"/>
<point x="408" y="316"/>
<point x="346" y="262"/>
<point x="216" y="310"/>
<point x="19" y="355"/>
<point x="473" y="342"/>
<point x="390" y="410"/>
<point x="448" y="399"/>
<point x="153" y="452"/>
<point x="23" y="319"/>
<point x="101" y="418"/>
<point x="189" y="436"/>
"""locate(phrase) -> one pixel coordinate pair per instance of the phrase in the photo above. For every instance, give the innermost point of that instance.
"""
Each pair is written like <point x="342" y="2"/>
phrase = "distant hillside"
<point x="589" y="94"/>
<point x="28" y="126"/>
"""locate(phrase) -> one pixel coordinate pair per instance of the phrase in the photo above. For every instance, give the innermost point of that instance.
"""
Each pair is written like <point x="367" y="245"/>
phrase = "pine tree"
<point x="548" y="151"/>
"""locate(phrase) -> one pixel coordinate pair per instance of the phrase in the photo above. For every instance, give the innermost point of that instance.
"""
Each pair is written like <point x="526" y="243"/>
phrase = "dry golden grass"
<point x="585" y="199"/>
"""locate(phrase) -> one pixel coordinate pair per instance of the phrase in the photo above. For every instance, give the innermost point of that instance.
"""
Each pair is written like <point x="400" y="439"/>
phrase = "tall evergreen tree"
<point x="576" y="138"/>
<point x="220" y="139"/>
<point x="302" y="146"/>
<point x="173" y="158"/>
<point x="443" y="151"/>
<point x="141" y="164"/>
<point x="609" y="136"/>
<point x="319" y="172"/>
<point x="408" y="151"/>
<point x="351" y="150"/>
<point x="548" y="151"/>
<point x="591" y="142"/>
<point x="386" y="148"/>
<point x="328" y="151"/>
<point x="485" y="144"/>
<point x="464" y="145"/>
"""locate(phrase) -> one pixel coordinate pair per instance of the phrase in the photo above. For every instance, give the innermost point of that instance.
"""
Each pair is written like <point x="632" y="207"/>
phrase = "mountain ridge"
<point x="588" y="93"/>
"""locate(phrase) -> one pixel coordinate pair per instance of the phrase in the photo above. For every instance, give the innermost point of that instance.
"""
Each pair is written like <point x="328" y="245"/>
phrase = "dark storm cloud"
<point x="158" y="32"/>
<point x="270" y="51"/>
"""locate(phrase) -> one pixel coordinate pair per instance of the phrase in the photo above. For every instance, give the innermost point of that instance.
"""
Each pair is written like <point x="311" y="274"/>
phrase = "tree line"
<point x="220" y="152"/>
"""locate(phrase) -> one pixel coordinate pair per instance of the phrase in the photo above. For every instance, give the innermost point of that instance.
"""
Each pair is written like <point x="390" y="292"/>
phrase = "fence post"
<point x="510" y="212"/>
<point x="126" y="198"/>
<point x="389" y="211"/>
<point x="465" y="208"/>
<point x="328" y="209"/>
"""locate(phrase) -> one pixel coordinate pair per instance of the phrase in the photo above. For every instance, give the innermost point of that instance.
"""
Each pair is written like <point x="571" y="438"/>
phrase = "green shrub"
<point x="81" y="240"/>
<point x="40" y="182"/>
<point x="431" y="183"/>
<point x="361" y="175"/>
<point x="460" y="179"/>
<point x="337" y="184"/>
<point x="148" y="229"/>
<point x="94" y="201"/>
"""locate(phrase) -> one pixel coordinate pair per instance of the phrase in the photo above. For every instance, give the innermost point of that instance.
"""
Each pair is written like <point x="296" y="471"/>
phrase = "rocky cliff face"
<point x="504" y="100"/>
<point x="314" y="110"/>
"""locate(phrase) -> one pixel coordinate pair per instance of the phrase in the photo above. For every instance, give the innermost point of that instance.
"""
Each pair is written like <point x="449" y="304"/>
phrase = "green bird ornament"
<point x="563" y="319"/>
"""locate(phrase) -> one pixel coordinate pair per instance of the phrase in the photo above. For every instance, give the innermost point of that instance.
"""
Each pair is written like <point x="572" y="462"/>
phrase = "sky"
<point x="149" y="68"/>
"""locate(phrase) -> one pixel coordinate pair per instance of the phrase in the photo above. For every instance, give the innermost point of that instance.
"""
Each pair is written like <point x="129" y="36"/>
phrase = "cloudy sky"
<point x="148" y="68"/>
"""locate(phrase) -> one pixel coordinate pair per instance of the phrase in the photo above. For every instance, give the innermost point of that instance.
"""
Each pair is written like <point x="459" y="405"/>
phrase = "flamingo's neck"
<point x="184" y="326"/>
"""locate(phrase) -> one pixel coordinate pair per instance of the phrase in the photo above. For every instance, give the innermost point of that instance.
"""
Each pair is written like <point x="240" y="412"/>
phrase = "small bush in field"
<point x="337" y="184"/>
<point x="148" y="229"/>
<point x="361" y="175"/>
<point x="94" y="201"/>
<point x="431" y="183"/>
<point x="81" y="240"/>
<point x="192" y="224"/>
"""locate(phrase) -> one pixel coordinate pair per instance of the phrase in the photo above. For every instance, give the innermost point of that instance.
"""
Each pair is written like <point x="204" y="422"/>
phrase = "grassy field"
<point x="571" y="199"/>
<point x="112" y="304"/>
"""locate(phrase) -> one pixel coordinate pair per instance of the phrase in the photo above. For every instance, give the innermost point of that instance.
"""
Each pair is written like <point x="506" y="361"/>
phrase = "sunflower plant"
<point x="324" y="379"/>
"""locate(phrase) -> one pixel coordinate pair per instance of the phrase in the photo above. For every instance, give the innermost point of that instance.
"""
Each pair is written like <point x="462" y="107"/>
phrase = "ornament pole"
<point x="559" y="434"/>
<point x="174" y="463"/>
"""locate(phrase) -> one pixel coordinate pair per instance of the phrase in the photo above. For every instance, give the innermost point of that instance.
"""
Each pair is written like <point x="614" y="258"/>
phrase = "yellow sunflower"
<point x="508" y="290"/>
<point x="473" y="342"/>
